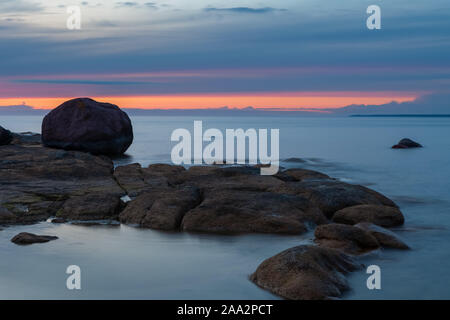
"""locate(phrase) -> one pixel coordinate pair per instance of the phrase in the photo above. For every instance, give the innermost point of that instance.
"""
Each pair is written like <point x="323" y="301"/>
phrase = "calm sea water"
<point x="131" y="263"/>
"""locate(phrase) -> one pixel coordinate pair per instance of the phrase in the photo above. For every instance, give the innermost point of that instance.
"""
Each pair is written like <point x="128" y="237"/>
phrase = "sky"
<point x="215" y="53"/>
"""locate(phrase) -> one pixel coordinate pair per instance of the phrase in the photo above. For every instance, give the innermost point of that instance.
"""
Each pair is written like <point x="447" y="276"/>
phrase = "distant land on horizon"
<point x="430" y="105"/>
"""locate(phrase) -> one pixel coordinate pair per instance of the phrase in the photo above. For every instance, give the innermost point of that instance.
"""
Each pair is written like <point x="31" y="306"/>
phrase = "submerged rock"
<point x="344" y="237"/>
<point x="5" y="136"/>
<point x="305" y="273"/>
<point x="406" y="144"/>
<point x="386" y="238"/>
<point x="383" y="216"/>
<point x="24" y="238"/>
<point x="294" y="160"/>
<point x="87" y="125"/>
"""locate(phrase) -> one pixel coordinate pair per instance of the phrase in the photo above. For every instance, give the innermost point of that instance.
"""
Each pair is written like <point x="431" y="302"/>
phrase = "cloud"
<point x="243" y="10"/>
<point x="128" y="4"/>
<point x="19" y="6"/>
<point x="104" y="24"/>
<point x="132" y="4"/>
<point x="87" y="82"/>
<point x="151" y="5"/>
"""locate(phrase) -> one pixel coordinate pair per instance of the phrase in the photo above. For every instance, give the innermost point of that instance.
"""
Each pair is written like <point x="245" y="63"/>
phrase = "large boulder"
<point x="25" y="238"/>
<point x="347" y="238"/>
<point x="212" y="199"/>
<point x="406" y="144"/>
<point x="87" y="125"/>
<point x="5" y="136"/>
<point x="384" y="216"/>
<point x="305" y="273"/>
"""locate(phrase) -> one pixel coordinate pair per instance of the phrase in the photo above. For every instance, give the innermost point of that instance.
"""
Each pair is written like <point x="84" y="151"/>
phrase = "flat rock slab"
<point x="38" y="182"/>
<point x="25" y="238"/>
<point x="235" y="199"/>
<point x="243" y="211"/>
<point x="305" y="273"/>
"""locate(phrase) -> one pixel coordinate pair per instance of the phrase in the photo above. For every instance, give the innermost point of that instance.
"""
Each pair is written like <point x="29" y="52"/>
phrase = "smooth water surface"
<point x="132" y="263"/>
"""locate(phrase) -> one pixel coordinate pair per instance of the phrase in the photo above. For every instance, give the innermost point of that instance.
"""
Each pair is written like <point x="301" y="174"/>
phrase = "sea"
<point x="125" y="262"/>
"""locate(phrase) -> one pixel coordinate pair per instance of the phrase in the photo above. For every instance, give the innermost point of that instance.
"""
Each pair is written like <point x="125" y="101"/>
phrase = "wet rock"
<point x="331" y="195"/>
<point x="386" y="238"/>
<point x="58" y="220"/>
<point x="91" y="207"/>
<point x="161" y="208"/>
<point x="87" y="125"/>
<point x="25" y="238"/>
<point x="347" y="238"/>
<point x="406" y="144"/>
<point x="36" y="181"/>
<point x="384" y="216"/>
<point x="136" y="180"/>
<point x="244" y="211"/>
<point x="305" y="273"/>
<point x="5" y="136"/>
<point x="26" y="138"/>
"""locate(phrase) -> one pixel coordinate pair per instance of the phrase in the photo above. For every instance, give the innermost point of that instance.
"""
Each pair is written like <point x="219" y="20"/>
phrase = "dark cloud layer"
<point x="410" y="53"/>
<point x="243" y="10"/>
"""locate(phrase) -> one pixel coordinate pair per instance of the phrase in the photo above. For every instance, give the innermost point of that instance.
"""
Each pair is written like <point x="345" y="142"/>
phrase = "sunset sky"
<point x="215" y="53"/>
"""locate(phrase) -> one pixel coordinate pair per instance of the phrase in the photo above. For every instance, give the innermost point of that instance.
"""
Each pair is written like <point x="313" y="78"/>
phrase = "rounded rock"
<point x="87" y="125"/>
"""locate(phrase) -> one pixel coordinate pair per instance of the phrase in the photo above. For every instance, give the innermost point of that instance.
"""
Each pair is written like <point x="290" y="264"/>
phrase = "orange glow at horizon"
<point x="205" y="101"/>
